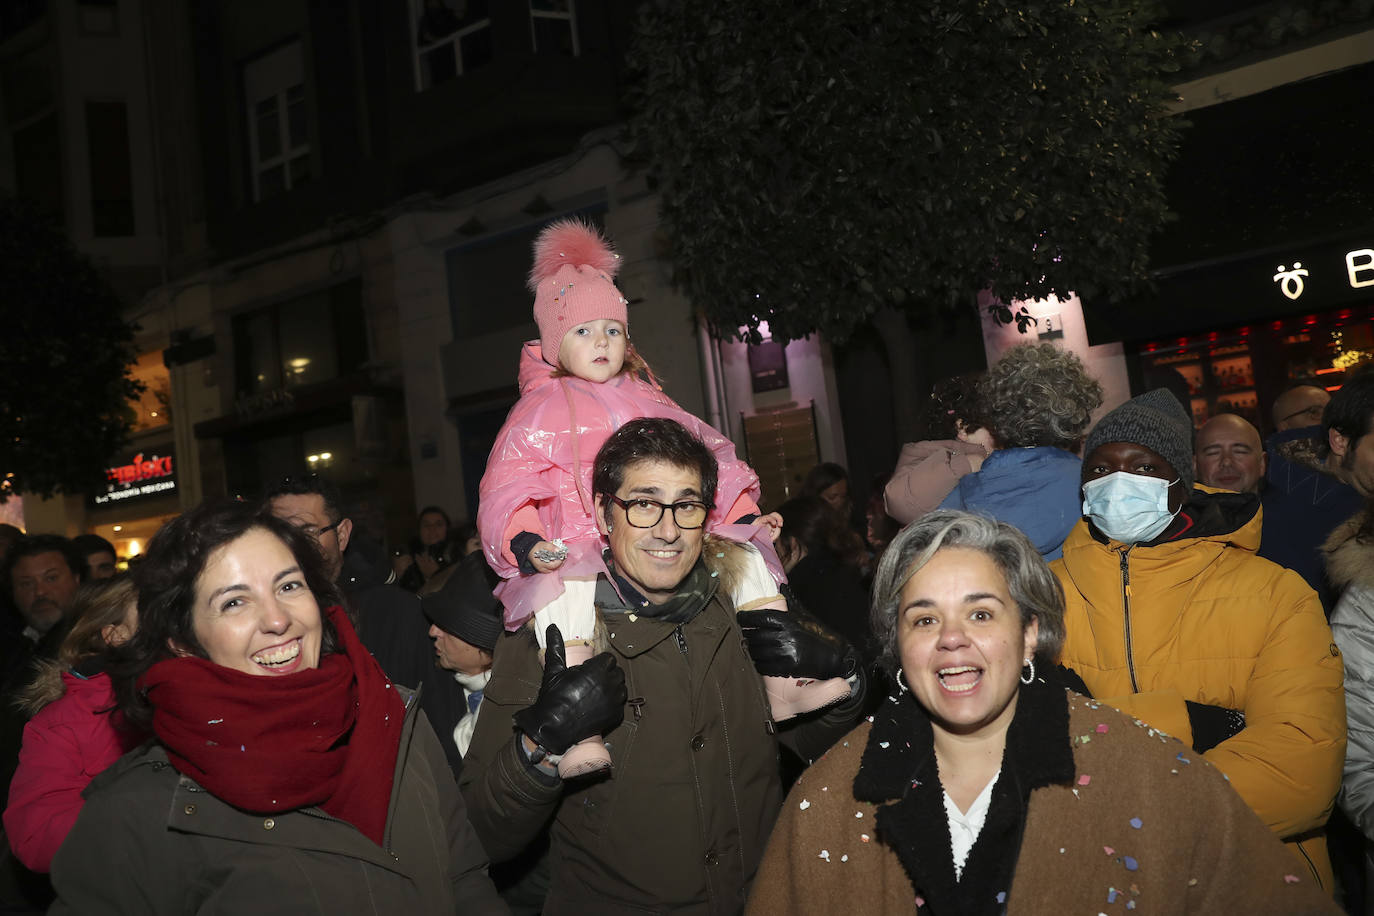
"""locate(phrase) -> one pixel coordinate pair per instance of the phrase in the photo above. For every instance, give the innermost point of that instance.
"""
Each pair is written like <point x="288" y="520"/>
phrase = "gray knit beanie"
<point x="1155" y="420"/>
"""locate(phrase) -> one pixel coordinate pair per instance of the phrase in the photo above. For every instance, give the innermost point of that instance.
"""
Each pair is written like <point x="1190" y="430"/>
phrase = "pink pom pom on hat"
<point x="573" y="281"/>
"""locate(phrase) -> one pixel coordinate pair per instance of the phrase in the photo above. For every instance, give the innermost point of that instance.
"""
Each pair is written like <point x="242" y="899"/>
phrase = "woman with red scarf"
<point x="288" y="774"/>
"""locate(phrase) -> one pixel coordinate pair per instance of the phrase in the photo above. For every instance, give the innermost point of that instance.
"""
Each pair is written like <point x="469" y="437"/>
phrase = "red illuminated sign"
<point x="140" y="477"/>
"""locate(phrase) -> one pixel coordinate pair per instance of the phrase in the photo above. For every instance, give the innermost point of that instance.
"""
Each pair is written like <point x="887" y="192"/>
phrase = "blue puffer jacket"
<point x="1035" y="489"/>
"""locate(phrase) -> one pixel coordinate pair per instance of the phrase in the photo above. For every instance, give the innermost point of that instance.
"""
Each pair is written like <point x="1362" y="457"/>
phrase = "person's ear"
<point x="178" y="649"/>
<point x="1339" y="444"/>
<point x="1032" y="636"/>
<point x="344" y="531"/>
<point x="603" y="517"/>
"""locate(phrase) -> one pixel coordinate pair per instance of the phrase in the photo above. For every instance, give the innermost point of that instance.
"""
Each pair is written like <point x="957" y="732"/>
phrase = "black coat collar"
<point x="898" y="768"/>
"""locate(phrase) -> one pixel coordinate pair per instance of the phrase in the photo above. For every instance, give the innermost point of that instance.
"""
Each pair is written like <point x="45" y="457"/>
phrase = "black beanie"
<point x="1155" y="420"/>
<point x="465" y="606"/>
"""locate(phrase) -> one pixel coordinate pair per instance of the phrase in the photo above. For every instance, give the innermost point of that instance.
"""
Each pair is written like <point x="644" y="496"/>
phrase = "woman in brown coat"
<point x="986" y="787"/>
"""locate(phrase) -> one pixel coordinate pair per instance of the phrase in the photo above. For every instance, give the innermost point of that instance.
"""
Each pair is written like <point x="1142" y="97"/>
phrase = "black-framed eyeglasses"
<point x="1315" y="412"/>
<point x="318" y="533"/>
<point x="646" y="513"/>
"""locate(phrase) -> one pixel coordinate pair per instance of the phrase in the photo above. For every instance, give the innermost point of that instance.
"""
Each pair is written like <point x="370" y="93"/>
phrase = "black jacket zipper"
<point x="1126" y="605"/>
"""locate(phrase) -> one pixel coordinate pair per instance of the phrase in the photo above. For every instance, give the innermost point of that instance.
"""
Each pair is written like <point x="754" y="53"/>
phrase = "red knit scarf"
<point x="327" y="736"/>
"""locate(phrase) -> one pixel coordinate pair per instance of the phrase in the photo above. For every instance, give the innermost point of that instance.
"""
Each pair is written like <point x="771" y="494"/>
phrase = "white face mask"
<point x="1129" y="508"/>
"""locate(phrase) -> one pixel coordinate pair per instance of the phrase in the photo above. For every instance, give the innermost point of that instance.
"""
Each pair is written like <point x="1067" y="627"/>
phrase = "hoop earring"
<point x="901" y="683"/>
<point x="1027" y="678"/>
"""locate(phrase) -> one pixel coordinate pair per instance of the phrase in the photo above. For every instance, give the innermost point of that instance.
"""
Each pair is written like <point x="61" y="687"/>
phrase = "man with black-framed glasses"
<point x="677" y="693"/>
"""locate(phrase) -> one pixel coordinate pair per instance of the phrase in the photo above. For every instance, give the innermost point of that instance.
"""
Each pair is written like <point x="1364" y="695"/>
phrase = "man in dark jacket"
<point x="680" y="823"/>
<point x="389" y="620"/>
<point x="1318" y="477"/>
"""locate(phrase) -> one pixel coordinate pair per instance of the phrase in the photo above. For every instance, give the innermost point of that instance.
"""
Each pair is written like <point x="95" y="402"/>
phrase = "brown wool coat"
<point x="1198" y="847"/>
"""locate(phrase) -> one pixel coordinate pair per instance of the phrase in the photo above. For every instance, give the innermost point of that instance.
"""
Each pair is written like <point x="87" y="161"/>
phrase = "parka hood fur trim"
<point x="1349" y="558"/>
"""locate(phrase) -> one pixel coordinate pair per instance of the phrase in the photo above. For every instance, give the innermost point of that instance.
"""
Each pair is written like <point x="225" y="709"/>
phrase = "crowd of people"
<point x="1051" y="665"/>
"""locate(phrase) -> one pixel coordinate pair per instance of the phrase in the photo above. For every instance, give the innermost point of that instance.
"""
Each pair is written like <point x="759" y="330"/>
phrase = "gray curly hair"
<point x="1032" y="586"/>
<point x="1038" y="394"/>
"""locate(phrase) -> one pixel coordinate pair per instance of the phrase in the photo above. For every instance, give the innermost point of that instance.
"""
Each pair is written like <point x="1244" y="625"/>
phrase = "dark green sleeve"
<point x="509" y="804"/>
<point x="120" y="858"/>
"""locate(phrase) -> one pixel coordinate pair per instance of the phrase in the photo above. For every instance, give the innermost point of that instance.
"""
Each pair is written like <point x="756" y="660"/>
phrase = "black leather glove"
<point x="788" y="644"/>
<point x="573" y="703"/>
<point x="1213" y="724"/>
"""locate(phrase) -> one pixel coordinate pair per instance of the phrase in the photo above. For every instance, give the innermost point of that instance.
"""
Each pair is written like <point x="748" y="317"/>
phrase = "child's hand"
<point x="546" y="556"/>
<point x="773" y="521"/>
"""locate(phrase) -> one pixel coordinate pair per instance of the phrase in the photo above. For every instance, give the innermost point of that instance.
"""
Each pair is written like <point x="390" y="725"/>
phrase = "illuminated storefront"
<point x="140" y="496"/>
<point x="1311" y="312"/>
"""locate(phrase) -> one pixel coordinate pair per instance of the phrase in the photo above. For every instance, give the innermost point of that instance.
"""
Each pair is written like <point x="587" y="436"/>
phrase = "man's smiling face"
<point x="654" y="560"/>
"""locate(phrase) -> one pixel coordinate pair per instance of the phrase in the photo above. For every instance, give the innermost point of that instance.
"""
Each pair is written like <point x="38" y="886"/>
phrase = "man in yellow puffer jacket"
<point x="1173" y="618"/>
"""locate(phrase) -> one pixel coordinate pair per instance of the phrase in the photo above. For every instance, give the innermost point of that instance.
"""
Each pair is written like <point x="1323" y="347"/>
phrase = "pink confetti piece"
<point x="1102" y="728"/>
<point x="1108" y="850"/>
<point x="1084" y="779"/>
<point x="1290" y="879"/>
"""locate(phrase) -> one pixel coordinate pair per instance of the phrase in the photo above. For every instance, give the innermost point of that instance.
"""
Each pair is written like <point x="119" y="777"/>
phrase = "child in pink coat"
<point x="73" y="734"/>
<point x="537" y="519"/>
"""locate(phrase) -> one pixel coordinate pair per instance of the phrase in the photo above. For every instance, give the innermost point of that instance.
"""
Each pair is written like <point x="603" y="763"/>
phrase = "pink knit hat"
<point x="573" y="282"/>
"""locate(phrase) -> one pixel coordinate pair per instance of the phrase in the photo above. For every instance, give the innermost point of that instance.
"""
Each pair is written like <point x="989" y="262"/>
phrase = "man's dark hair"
<point x="33" y="545"/>
<point x="653" y="439"/>
<point x="308" y="483"/>
<point x="176" y="556"/>
<point x="88" y="544"/>
<point x="1350" y="411"/>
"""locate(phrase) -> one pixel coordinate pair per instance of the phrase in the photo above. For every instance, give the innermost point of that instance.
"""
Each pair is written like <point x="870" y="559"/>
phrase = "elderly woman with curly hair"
<point x="985" y="786"/>
<point x="1037" y="402"/>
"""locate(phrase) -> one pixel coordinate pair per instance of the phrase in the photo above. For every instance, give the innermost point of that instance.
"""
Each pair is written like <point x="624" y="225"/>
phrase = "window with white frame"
<point x="553" y="27"/>
<point x="278" y="121"/>
<point x="450" y="38"/>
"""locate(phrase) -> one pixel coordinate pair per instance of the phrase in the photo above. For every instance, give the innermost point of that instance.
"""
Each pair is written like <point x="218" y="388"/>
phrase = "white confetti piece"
<point x="883" y="745"/>
<point x="825" y="854"/>
<point x="844" y="858"/>
<point x="858" y="814"/>
<point x="805" y="804"/>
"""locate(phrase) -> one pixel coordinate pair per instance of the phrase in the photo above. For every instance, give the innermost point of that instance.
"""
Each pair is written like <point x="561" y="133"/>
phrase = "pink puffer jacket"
<point x="539" y="474"/>
<point x="66" y="745"/>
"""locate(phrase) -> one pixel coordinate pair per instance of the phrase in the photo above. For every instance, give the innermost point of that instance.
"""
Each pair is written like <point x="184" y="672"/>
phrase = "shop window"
<point x="98" y="17"/>
<point x="1242" y="370"/>
<point x="251" y="465"/>
<point x="451" y="38"/>
<point x="112" y="184"/>
<point x="278" y="121"/>
<point x="307" y="340"/>
<point x="154" y="406"/>
<point x="553" y="27"/>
